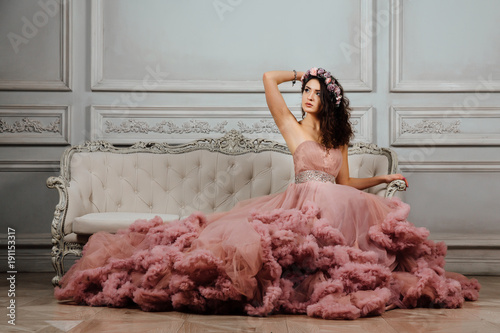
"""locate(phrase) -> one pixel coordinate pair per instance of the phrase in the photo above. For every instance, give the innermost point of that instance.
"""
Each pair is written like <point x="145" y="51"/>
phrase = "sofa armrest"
<point x="394" y="186"/>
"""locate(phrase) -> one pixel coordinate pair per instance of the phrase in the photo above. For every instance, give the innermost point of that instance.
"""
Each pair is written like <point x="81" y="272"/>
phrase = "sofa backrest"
<point x="208" y="175"/>
<point x="368" y="160"/>
<point x="174" y="183"/>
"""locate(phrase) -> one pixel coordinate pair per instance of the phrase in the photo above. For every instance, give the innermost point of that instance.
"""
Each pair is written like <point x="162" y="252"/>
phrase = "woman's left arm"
<point x="343" y="177"/>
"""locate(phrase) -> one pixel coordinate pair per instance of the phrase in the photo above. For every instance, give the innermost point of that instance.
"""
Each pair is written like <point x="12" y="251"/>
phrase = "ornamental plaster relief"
<point x="30" y="126"/>
<point x="430" y="127"/>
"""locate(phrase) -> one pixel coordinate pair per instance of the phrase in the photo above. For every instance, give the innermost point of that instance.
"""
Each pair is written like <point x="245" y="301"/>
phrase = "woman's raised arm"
<point x="279" y="110"/>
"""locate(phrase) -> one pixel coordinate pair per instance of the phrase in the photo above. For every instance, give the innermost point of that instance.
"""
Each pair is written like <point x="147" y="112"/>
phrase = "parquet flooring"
<point x="38" y="311"/>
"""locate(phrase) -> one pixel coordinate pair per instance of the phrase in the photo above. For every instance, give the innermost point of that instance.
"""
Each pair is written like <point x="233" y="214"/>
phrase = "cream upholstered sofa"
<point x="105" y="188"/>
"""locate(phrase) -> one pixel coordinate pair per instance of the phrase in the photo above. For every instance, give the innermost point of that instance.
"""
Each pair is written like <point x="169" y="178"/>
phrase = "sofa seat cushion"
<point x="113" y="221"/>
<point x="76" y="238"/>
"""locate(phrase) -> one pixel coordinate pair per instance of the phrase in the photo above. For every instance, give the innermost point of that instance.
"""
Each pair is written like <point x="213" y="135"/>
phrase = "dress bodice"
<point x="311" y="155"/>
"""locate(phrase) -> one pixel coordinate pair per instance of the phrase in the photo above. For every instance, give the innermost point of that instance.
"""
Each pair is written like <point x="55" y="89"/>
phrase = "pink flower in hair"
<point x="337" y="90"/>
<point x="314" y="71"/>
<point x="328" y="80"/>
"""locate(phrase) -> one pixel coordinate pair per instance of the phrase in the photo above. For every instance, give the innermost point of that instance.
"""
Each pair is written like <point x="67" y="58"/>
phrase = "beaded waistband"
<point x="309" y="175"/>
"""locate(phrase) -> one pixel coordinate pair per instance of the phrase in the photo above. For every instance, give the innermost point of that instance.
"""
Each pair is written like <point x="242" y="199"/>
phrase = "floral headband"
<point x="329" y="80"/>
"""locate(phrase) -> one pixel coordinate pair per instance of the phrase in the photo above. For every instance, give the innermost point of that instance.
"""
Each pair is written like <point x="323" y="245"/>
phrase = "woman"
<point x="322" y="247"/>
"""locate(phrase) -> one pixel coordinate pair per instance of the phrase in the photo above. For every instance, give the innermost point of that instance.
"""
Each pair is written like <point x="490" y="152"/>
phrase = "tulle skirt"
<point x="321" y="249"/>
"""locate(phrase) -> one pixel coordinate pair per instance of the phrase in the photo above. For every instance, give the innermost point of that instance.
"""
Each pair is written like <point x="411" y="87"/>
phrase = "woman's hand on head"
<point x="300" y="75"/>
<point x="395" y="176"/>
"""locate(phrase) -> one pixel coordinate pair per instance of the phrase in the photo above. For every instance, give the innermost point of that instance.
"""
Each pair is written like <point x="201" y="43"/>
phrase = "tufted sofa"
<point x="105" y="188"/>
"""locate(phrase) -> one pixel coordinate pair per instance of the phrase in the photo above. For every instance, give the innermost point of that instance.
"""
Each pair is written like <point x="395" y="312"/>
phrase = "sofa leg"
<point x="55" y="280"/>
<point x="58" y="264"/>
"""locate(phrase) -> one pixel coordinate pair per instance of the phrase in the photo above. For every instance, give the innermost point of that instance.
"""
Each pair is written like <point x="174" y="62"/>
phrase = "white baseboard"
<point x="471" y="254"/>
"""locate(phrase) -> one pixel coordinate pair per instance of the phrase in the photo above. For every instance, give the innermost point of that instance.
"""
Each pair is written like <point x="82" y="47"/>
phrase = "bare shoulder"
<point x="294" y="135"/>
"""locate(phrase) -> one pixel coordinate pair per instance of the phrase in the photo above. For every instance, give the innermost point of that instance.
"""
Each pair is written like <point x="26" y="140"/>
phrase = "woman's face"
<point x="311" y="102"/>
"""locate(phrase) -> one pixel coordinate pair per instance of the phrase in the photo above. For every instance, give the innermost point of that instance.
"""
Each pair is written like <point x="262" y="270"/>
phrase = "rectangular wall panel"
<point x="35" y="48"/>
<point x="125" y="125"/>
<point x="445" y="126"/>
<point x="219" y="52"/>
<point x="29" y="166"/>
<point x="435" y="46"/>
<point x="121" y="124"/>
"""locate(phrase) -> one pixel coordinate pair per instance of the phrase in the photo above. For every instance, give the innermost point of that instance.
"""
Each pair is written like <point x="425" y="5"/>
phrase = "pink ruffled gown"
<point x="319" y="248"/>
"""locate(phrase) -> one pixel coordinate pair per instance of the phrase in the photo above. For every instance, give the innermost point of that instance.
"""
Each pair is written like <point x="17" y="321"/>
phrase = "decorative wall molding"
<point x="29" y="166"/>
<point x="444" y="126"/>
<point x="29" y="239"/>
<point x="32" y="252"/>
<point x="191" y="126"/>
<point x="65" y="83"/>
<point x="471" y="260"/>
<point x="31" y="259"/>
<point x="262" y="126"/>
<point x="167" y="127"/>
<point x="362" y="123"/>
<point x="35" y="124"/>
<point x="125" y="125"/>
<point x="100" y="83"/>
<point x="30" y="125"/>
<point x="397" y="57"/>
<point x="468" y="253"/>
<point x="365" y="81"/>
<point x="449" y="166"/>
<point x="430" y="127"/>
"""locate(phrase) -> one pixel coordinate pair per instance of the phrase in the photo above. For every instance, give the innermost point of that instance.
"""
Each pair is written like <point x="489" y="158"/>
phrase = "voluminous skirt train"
<point x="323" y="249"/>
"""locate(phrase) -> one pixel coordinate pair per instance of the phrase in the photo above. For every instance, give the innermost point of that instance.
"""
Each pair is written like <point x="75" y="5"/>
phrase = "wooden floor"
<point x="37" y="311"/>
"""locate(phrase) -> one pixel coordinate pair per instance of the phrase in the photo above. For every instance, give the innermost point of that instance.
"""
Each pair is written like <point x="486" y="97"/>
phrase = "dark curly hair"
<point x="335" y="126"/>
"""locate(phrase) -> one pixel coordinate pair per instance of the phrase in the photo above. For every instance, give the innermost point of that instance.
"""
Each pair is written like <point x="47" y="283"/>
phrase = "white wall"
<point x="423" y="78"/>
